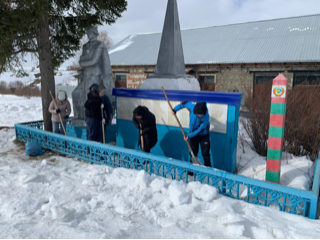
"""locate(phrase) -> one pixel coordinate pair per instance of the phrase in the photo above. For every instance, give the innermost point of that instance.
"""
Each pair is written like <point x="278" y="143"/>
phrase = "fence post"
<point x="276" y="128"/>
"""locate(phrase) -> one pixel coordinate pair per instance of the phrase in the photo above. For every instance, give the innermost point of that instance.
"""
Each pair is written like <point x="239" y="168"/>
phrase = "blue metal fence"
<point x="258" y="192"/>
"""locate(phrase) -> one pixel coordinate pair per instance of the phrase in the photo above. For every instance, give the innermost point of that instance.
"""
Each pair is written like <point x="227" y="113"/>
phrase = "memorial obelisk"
<point x="170" y="70"/>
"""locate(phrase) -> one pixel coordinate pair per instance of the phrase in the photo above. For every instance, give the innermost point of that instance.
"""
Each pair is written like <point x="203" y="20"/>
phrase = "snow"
<point x="296" y="172"/>
<point x="14" y="109"/>
<point x="126" y="43"/>
<point x="62" y="77"/>
<point x="56" y="196"/>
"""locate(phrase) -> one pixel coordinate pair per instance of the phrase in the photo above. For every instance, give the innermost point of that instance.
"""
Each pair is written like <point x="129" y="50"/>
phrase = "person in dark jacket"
<point x="93" y="116"/>
<point x="144" y="120"/>
<point x="199" y="128"/>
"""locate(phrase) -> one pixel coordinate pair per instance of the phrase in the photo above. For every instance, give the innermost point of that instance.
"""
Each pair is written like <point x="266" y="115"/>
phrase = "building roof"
<point x="295" y="39"/>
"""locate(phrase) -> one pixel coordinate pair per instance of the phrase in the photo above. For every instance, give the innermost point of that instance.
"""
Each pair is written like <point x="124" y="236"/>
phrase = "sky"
<point x="146" y="16"/>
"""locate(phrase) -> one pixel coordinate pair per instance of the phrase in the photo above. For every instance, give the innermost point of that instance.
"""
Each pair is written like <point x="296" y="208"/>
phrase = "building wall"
<point x="228" y="78"/>
<point x="231" y="80"/>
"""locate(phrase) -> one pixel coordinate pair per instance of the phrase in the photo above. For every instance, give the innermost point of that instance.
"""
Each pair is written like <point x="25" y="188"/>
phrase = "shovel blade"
<point x="196" y="160"/>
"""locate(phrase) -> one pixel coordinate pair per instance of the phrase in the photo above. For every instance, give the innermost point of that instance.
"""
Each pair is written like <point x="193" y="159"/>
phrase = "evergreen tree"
<point x="50" y="29"/>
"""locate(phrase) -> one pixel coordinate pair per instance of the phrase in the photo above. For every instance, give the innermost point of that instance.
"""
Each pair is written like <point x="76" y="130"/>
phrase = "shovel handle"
<point x="141" y="137"/>
<point x="184" y="135"/>
<point x="103" y="134"/>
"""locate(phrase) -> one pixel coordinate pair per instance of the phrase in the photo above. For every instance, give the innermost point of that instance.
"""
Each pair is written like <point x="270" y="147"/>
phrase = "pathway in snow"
<point x="60" y="197"/>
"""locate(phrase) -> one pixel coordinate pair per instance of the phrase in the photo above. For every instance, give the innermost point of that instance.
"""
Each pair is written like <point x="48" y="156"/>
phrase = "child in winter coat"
<point x="64" y="109"/>
<point x="199" y="128"/>
<point x="93" y="116"/>
<point x="144" y="120"/>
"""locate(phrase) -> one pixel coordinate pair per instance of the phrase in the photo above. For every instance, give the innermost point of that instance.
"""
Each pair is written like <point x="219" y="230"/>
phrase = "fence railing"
<point x="254" y="191"/>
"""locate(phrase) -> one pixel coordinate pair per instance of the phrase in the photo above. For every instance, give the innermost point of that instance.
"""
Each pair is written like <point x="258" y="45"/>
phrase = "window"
<point x="121" y="77"/>
<point x="306" y="78"/>
<point x="207" y="79"/>
<point x="266" y="77"/>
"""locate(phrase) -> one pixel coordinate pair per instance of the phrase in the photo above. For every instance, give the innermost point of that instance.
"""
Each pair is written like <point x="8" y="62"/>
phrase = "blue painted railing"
<point x="258" y="192"/>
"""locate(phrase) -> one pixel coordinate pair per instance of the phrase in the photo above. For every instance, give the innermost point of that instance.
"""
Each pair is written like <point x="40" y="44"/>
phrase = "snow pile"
<point x="63" y="197"/>
<point x="202" y="191"/>
<point x="178" y="194"/>
<point x="296" y="172"/>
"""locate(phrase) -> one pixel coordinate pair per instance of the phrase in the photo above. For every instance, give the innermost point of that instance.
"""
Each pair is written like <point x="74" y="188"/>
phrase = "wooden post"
<point x="276" y="128"/>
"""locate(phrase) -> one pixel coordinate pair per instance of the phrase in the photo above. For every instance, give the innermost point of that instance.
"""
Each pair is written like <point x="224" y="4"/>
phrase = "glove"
<point x="102" y="106"/>
<point x="58" y="110"/>
<point x="174" y="112"/>
<point x="103" y="121"/>
<point x="66" y="117"/>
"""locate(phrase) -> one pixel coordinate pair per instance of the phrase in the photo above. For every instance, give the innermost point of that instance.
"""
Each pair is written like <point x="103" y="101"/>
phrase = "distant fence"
<point x="288" y="199"/>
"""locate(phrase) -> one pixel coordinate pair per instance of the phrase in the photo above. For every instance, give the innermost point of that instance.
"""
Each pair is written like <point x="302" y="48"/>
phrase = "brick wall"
<point x="134" y="80"/>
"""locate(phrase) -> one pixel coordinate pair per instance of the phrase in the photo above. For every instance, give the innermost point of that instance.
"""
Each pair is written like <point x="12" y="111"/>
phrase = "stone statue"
<point x="95" y="68"/>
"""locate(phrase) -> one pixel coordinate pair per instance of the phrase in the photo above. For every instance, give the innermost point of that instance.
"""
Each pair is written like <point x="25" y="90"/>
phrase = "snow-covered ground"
<point x="62" y="77"/>
<point x="296" y="172"/>
<point x="53" y="196"/>
<point x="14" y="109"/>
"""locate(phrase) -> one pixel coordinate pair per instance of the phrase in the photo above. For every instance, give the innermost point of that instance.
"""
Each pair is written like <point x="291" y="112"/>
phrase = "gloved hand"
<point x="58" y="110"/>
<point x="102" y="106"/>
<point x="103" y="121"/>
<point x="66" y="117"/>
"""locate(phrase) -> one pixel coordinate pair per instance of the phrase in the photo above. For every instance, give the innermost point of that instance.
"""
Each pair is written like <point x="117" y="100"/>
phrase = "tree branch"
<point x="24" y="50"/>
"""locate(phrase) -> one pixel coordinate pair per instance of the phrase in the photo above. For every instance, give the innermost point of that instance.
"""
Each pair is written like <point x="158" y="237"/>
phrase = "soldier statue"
<point x="95" y="69"/>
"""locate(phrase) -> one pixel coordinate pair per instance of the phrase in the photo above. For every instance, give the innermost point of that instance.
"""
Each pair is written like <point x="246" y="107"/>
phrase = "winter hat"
<point x="61" y="96"/>
<point x="96" y="86"/>
<point x="200" y="108"/>
<point x="100" y="88"/>
<point x="139" y="111"/>
<point x="103" y="91"/>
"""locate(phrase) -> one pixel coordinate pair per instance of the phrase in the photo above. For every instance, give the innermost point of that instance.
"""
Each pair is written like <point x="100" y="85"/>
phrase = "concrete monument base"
<point x="180" y="83"/>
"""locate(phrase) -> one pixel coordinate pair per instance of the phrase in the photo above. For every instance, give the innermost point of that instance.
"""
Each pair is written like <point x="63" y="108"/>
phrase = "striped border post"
<point x="276" y="128"/>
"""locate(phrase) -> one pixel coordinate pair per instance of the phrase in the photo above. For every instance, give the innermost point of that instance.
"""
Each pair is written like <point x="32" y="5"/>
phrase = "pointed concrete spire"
<point x="170" y="70"/>
<point x="170" y="58"/>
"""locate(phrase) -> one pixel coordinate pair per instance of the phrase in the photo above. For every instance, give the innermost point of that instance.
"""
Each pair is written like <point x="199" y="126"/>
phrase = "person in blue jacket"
<point x="199" y="128"/>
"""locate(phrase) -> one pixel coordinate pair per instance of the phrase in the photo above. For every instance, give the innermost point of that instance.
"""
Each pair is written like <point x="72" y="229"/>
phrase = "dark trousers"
<point x="94" y="129"/>
<point x="204" y="142"/>
<point x="147" y="147"/>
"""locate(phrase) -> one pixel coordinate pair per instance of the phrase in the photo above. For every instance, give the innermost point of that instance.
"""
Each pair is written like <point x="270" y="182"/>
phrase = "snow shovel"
<point x="103" y="136"/>
<point x="65" y="133"/>
<point x="141" y="137"/>
<point x="194" y="159"/>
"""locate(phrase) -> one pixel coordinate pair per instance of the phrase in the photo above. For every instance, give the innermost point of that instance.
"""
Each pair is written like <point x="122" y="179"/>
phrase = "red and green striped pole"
<point x="276" y="128"/>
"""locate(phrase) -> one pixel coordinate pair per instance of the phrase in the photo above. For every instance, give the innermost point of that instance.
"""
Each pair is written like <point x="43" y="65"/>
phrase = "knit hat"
<point x="103" y="91"/>
<point x="100" y="88"/>
<point x="200" y="108"/>
<point x="61" y="96"/>
<point x="139" y="111"/>
<point x="94" y="86"/>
